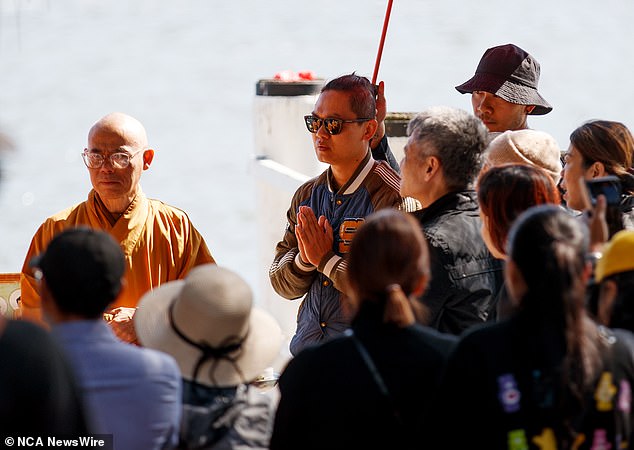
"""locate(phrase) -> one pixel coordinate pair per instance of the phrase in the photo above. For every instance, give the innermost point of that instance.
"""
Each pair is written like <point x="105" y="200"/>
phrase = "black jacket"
<point x="503" y="384"/>
<point x="329" y="399"/>
<point x="465" y="278"/>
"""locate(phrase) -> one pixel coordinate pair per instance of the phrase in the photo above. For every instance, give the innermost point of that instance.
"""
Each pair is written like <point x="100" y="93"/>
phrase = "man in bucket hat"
<point x="504" y="89"/>
<point x="222" y="344"/>
<point x="132" y="393"/>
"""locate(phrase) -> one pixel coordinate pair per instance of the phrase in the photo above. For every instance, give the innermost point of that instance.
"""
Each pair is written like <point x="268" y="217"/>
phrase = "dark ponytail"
<point x="549" y="248"/>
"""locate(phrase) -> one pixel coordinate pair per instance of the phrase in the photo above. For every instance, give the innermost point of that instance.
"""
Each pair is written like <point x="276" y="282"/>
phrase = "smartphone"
<point x="609" y="186"/>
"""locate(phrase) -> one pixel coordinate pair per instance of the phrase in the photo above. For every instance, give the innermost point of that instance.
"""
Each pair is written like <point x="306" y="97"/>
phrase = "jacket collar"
<point x="128" y="228"/>
<point x="457" y="200"/>
<point x="357" y="178"/>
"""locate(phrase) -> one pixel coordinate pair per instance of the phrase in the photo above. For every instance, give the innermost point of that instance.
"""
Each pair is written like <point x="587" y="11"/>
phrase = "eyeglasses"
<point x="333" y="126"/>
<point x="117" y="160"/>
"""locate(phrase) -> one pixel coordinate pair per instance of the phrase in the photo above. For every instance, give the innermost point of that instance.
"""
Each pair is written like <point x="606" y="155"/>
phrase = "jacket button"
<point x="325" y="283"/>
<point x="338" y="202"/>
<point x="322" y="324"/>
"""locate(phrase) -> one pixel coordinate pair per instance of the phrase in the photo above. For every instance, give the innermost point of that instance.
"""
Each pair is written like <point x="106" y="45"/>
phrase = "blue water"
<point x="188" y="70"/>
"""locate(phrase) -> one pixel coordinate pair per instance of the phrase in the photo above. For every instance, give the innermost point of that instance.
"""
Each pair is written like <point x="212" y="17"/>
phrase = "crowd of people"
<point x="476" y="295"/>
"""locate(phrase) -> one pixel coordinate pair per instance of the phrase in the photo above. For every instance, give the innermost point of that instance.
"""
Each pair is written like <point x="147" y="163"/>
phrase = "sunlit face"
<point x="412" y="180"/>
<point x="349" y="146"/>
<point x="115" y="184"/>
<point x="497" y="114"/>
<point x="573" y="172"/>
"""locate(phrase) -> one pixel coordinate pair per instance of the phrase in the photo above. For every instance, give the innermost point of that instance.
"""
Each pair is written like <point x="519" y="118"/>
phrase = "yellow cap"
<point x="618" y="255"/>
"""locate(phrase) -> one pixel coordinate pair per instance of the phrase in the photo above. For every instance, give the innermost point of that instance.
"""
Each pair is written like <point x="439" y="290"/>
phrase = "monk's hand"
<point x="314" y="236"/>
<point x="121" y="320"/>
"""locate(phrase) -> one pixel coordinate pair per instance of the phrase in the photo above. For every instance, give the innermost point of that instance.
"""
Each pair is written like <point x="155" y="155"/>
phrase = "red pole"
<point x="378" y="56"/>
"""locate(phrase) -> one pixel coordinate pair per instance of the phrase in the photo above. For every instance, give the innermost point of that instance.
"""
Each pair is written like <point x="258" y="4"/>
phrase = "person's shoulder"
<point x="467" y="200"/>
<point x="311" y="360"/>
<point x="424" y="343"/>
<point x="622" y="351"/>
<point x="451" y="216"/>
<point x="387" y="175"/>
<point x="310" y="184"/>
<point x="458" y="205"/>
<point x="150" y="357"/>
<point x="31" y="346"/>
<point x="168" y="214"/>
<point x="24" y="333"/>
<point x="152" y="362"/>
<point x="317" y="351"/>
<point x="66" y="216"/>
<point x="161" y="206"/>
<point x="488" y="334"/>
<point x="625" y="337"/>
<point x="442" y="342"/>
<point x="308" y="188"/>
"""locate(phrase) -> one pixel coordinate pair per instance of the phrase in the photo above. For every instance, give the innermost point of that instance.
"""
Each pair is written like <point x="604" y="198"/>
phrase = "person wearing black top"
<point x="548" y="377"/>
<point x="371" y="387"/>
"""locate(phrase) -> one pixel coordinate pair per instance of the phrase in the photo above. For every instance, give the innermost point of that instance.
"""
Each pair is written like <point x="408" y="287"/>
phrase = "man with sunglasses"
<point x="159" y="241"/>
<point x="326" y="211"/>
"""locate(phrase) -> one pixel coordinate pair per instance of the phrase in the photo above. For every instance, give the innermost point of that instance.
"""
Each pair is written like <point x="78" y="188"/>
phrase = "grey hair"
<point x="458" y="140"/>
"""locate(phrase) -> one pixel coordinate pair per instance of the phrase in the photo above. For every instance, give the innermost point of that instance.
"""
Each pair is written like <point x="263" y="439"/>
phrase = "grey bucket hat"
<point x="510" y="73"/>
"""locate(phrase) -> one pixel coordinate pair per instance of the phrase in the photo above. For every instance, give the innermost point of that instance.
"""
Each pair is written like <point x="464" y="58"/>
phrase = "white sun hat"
<point x="207" y="322"/>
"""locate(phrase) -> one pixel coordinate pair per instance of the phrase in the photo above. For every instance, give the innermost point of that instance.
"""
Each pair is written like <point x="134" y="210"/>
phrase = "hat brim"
<point x="258" y="351"/>
<point x="507" y="90"/>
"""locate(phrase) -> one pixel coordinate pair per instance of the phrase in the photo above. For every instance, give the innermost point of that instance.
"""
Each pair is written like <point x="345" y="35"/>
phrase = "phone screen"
<point x="609" y="186"/>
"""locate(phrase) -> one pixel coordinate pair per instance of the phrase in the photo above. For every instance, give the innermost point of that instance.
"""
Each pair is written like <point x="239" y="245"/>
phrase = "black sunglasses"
<point x="333" y="126"/>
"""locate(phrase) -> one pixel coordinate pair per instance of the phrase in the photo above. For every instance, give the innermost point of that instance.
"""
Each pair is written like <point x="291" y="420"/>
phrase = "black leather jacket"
<point x="465" y="278"/>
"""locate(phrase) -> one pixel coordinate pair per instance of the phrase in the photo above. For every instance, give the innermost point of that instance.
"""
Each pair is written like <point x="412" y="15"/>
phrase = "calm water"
<point x="188" y="69"/>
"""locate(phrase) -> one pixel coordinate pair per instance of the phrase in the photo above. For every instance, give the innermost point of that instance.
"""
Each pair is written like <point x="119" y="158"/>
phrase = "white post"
<point x="284" y="159"/>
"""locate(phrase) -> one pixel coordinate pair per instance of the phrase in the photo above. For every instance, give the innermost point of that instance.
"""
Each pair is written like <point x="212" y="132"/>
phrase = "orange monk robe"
<point x="159" y="242"/>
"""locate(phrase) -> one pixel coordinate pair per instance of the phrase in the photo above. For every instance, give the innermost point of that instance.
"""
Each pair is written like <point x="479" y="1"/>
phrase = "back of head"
<point x="549" y="246"/>
<point x="531" y="147"/>
<point x="83" y="270"/>
<point x="388" y="249"/>
<point x="506" y="191"/>
<point x="458" y="139"/>
<point x="362" y="100"/>
<point x="610" y="143"/>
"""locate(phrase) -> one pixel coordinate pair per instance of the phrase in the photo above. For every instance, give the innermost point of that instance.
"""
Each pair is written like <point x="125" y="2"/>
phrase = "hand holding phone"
<point x="609" y="186"/>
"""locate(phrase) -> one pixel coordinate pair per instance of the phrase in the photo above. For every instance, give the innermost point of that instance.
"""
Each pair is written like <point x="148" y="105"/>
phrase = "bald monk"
<point x="159" y="241"/>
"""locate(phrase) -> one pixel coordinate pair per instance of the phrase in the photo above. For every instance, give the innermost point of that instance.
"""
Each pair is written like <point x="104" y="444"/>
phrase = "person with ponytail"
<point x="371" y="387"/>
<point x="548" y="376"/>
